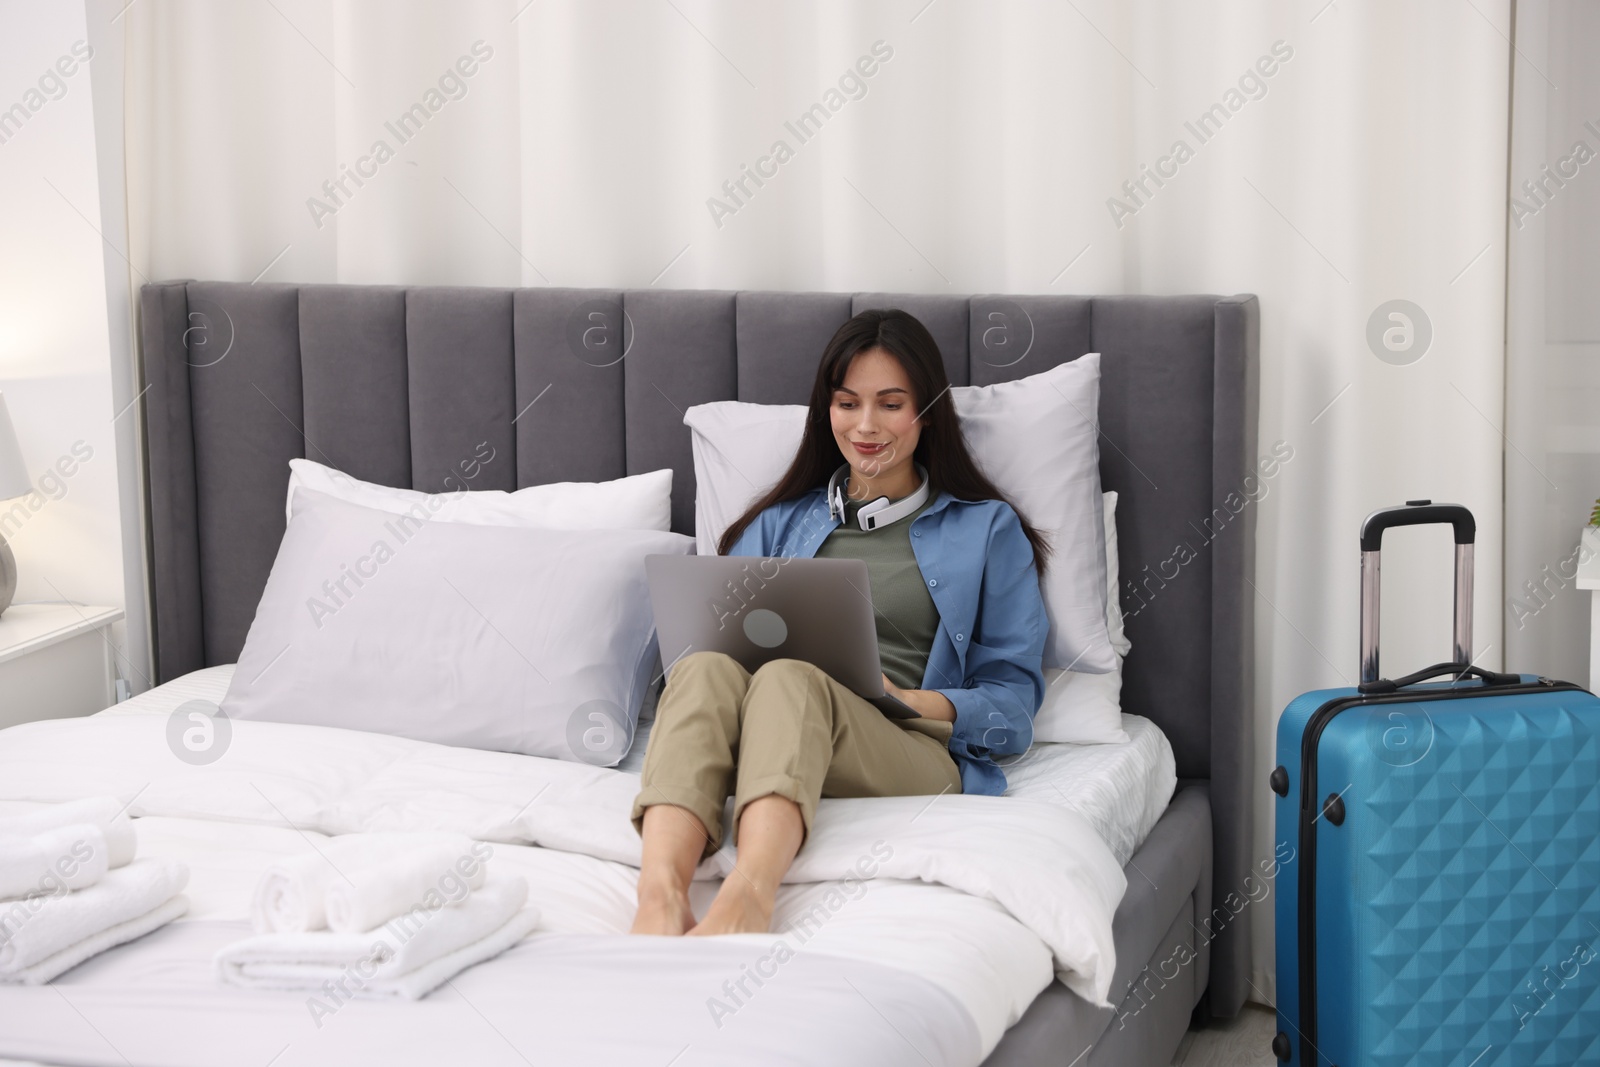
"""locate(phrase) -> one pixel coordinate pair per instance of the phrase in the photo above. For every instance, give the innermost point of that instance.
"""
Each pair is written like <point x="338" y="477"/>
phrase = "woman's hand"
<point x="925" y="702"/>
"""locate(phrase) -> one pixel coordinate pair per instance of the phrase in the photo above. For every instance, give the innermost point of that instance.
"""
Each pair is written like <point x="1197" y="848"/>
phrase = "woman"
<point x="961" y="631"/>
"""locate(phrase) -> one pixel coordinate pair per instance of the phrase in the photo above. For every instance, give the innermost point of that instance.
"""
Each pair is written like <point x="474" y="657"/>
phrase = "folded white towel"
<point x="105" y="812"/>
<point x="48" y="862"/>
<point x="372" y="893"/>
<point x="51" y="966"/>
<point x="292" y="896"/>
<point x="407" y="957"/>
<point x="34" y="929"/>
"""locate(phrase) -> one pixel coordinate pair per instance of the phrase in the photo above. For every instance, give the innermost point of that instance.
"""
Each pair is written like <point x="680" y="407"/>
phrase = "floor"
<point x="1245" y="1041"/>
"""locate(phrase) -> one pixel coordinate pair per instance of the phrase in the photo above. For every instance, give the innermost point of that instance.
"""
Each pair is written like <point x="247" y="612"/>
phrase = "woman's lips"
<point x="868" y="450"/>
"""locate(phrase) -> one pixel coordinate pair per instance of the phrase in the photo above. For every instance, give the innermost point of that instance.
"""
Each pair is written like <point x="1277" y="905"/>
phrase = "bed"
<point x="391" y="384"/>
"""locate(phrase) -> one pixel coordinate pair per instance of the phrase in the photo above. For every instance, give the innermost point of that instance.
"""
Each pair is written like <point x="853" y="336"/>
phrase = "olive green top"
<point x="906" y="616"/>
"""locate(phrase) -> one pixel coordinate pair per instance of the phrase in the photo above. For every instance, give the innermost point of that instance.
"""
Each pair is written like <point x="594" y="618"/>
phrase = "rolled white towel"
<point x="52" y="861"/>
<point x="291" y="897"/>
<point x="34" y="929"/>
<point x="108" y="813"/>
<point x="406" y="958"/>
<point x="372" y="893"/>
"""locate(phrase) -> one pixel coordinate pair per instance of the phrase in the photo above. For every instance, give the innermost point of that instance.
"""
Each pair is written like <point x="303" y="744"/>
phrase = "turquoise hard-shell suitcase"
<point x="1438" y="857"/>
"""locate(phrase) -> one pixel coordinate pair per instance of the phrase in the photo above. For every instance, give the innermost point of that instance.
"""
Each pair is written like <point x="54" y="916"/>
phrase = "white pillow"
<point x="1114" y="622"/>
<point x="1086" y="709"/>
<point x="496" y="637"/>
<point x="638" y="502"/>
<point x="740" y="452"/>
<point x="1036" y="438"/>
<point x="1082" y="709"/>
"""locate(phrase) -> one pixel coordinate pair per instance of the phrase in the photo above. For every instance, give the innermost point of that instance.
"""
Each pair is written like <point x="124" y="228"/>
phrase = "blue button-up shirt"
<point x="987" y="653"/>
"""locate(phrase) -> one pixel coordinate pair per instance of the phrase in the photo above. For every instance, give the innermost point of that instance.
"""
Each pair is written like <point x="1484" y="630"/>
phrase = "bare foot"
<point x="662" y="911"/>
<point x="738" y="909"/>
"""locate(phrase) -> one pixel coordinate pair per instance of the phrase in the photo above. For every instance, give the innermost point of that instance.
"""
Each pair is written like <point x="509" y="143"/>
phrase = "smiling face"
<point x="875" y="425"/>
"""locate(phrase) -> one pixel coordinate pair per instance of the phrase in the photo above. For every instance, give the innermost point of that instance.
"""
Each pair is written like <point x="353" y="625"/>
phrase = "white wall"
<point x="55" y="363"/>
<point x="1553" y="336"/>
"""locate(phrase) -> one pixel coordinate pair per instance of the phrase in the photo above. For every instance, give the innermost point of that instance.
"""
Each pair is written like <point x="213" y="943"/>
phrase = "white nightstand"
<point x="56" y="661"/>
<point x="1589" y="578"/>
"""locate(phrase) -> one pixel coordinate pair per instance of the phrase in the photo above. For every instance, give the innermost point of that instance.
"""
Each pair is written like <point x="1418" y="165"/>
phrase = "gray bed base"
<point x="404" y="385"/>
<point x="1163" y="959"/>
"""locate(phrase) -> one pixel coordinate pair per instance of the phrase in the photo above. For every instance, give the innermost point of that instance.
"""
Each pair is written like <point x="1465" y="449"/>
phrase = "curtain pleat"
<point x="1552" y="466"/>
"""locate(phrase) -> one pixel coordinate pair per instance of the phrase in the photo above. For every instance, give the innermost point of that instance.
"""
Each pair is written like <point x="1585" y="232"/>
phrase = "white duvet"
<point x="909" y="929"/>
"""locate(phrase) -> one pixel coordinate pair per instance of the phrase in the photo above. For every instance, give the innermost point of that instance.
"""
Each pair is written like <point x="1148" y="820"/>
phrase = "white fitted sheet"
<point x="1121" y="789"/>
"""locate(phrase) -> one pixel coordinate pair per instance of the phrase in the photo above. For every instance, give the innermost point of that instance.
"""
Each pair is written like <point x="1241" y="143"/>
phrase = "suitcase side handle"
<point x="1415" y="513"/>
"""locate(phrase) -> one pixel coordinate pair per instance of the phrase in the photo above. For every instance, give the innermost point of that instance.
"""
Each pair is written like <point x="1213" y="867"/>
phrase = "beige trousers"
<point x="788" y="729"/>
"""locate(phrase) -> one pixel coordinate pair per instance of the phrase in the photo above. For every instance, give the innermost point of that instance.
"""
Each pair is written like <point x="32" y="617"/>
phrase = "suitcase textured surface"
<point x="1457" y="902"/>
<point x="1440" y="842"/>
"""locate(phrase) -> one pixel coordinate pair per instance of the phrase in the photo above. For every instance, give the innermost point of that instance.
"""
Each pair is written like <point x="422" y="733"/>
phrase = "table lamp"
<point x="14" y="482"/>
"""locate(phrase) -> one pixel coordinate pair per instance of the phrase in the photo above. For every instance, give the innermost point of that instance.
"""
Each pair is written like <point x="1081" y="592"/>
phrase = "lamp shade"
<point x="14" y="480"/>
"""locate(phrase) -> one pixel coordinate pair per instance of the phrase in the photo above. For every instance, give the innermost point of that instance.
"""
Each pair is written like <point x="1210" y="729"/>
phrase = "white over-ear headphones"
<point x="880" y="512"/>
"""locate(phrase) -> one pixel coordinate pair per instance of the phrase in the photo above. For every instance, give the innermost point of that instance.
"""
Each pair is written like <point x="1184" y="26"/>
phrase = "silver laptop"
<point x="760" y="608"/>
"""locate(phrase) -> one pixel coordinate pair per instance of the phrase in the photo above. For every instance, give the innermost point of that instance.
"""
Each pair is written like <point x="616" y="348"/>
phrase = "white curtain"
<point x="1553" y="336"/>
<point x="1338" y="156"/>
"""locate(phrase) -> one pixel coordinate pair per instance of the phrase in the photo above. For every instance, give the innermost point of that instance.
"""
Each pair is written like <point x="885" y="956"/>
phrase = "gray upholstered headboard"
<point x="404" y="385"/>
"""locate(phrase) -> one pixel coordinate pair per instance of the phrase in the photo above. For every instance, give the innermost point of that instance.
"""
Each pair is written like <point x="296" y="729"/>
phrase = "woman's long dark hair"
<point x="941" y="449"/>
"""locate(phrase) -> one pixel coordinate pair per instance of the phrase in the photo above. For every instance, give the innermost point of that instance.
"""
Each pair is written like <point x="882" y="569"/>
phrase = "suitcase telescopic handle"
<point x="1415" y="513"/>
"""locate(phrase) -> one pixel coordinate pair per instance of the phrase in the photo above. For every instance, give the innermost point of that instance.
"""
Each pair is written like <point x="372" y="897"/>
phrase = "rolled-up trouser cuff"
<point x="707" y="810"/>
